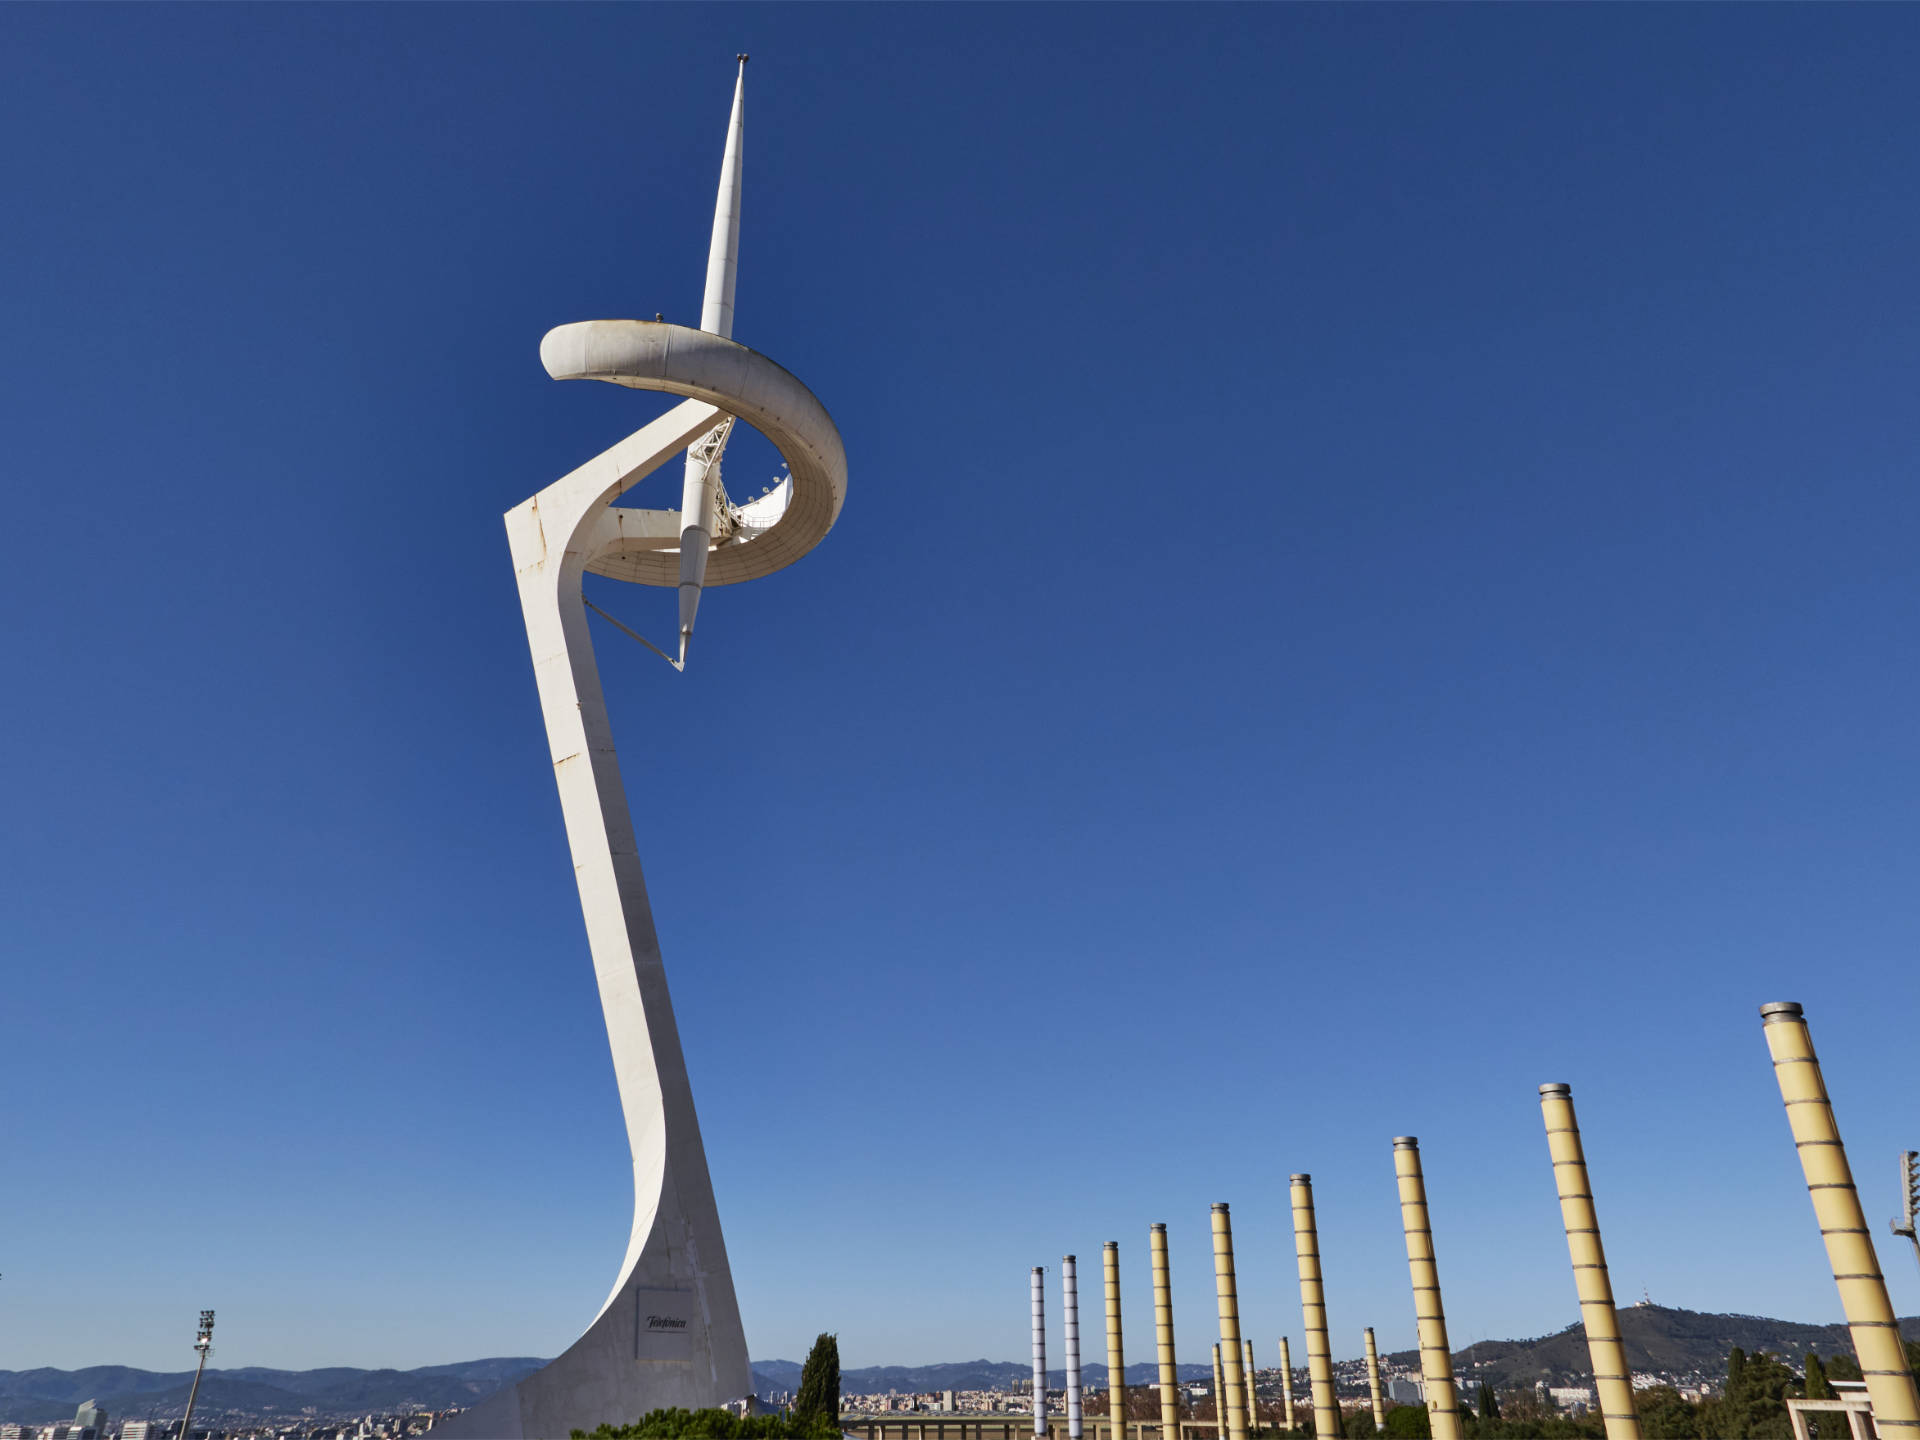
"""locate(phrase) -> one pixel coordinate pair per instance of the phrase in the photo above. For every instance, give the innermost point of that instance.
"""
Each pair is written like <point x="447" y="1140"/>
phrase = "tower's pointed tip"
<point x="743" y="60"/>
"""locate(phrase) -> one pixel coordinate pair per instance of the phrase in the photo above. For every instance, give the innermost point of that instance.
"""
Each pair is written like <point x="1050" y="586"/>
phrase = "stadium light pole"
<point x="203" y="1342"/>
<point x="1904" y="1222"/>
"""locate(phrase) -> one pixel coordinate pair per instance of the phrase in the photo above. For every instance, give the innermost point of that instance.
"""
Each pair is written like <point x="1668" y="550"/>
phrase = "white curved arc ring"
<point x="650" y="355"/>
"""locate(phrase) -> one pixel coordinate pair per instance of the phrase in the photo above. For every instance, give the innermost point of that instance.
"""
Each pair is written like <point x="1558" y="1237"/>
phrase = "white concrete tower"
<point x="669" y="1333"/>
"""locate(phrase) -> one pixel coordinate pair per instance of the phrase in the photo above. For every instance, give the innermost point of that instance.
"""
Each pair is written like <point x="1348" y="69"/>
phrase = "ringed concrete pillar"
<point x="1843" y="1225"/>
<point x="1373" y="1383"/>
<point x="1436" y="1358"/>
<point x="1116" y="1358"/>
<point x="1163" y="1333"/>
<point x="1229" y="1298"/>
<point x="1039" y="1351"/>
<point x="1313" y="1309"/>
<point x="1612" y="1380"/>
<point x="1286" y="1385"/>
<point x="1253" y="1400"/>
<point x="1070" y="1324"/>
<point x="1219" y="1393"/>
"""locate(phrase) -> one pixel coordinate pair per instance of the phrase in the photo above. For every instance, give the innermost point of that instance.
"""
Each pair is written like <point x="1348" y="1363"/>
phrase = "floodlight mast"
<point x="1905" y="1222"/>
<point x="203" y="1342"/>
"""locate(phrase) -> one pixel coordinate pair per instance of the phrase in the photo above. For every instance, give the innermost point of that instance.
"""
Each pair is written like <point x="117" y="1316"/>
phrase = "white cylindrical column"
<point x="1612" y="1377"/>
<point x="1843" y="1224"/>
<point x="1116" y="1355"/>
<point x="1225" y="1289"/>
<point x="1253" y="1402"/>
<point x="1373" y="1383"/>
<point x="1313" y="1309"/>
<point x="1070" y="1319"/>
<point x="1163" y="1333"/>
<point x="1039" y="1350"/>
<point x="1286" y="1385"/>
<point x="1430" y="1316"/>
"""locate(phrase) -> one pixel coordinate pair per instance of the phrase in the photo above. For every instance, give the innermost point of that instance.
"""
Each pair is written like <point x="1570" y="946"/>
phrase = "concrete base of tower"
<point x="649" y="1350"/>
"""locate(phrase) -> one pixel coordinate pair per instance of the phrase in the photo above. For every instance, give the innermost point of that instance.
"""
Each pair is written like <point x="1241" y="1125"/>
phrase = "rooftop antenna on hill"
<point x="203" y="1342"/>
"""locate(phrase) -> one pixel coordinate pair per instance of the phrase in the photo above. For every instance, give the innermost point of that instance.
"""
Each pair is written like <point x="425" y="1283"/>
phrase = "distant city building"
<point x="1576" y="1398"/>
<point x="138" y="1430"/>
<point x="90" y="1422"/>
<point x="947" y="1405"/>
<point x="1405" y="1392"/>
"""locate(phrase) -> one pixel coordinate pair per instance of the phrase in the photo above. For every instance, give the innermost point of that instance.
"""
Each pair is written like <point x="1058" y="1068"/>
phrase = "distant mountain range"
<point x="37" y="1396"/>
<point x="1675" y="1342"/>
<point x="1658" y="1340"/>
<point x="771" y="1377"/>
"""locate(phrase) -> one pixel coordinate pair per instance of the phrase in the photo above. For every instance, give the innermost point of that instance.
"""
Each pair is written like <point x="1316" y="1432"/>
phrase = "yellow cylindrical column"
<point x="1436" y="1359"/>
<point x="1219" y="1393"/>
<point x="1313" y="1309"/>
<point x="1253" y="1400"/>
<point x="1116" y="1359"/>
<point x="1229" y="1297"/>
<point x="1373" y="1382"/>
<point x="1286" y="1387"/>
<point x="1843" y="1225"/>
<point x="1612" y="1380"/>
<point x="1163" y="1333"/>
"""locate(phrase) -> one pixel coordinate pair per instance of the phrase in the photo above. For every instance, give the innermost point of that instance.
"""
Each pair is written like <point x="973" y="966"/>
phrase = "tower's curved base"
<point x="662" y="1341"/>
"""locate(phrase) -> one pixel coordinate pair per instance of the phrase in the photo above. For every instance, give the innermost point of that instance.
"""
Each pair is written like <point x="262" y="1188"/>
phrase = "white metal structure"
<point x="669" y="1333"/>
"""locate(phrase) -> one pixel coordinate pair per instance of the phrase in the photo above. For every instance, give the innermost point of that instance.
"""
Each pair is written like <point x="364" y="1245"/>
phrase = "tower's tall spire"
<point x="700" y="492"/>
<point x="723" y="255"/>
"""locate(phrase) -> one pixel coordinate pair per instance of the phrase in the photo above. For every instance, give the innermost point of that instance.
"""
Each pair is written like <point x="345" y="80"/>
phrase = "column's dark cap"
<point x="1781" y="1010"/>
<point x="1220" y="1207"/>
<point x="1301" y="1179"/>
<point x="1406" y="1142"/>
<point x="1556" y="1090"/>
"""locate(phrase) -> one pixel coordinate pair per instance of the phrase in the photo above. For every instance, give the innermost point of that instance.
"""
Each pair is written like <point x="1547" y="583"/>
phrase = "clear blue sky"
<point x="1379" y="571"/>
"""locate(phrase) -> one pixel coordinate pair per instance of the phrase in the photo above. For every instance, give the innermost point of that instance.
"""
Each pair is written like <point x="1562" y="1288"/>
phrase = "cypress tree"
<point x="1489" y="1407"/>
<point x="1817" y="1387"/>
<point x="819" y="1395"/>
<point x="1736" y="1372"/>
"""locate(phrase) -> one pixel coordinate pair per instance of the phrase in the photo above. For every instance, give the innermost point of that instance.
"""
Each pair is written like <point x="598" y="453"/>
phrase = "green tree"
<point x="1755" y="1407"/>
<point x="819" y="1394"/>
<point x="1488" y="1406"/>
<point x="1409" y="1422"/>
<point x="1817" y="1386"/>
<point x="1357" y="1424"/>
<point x="680" y="1424"/>
<point x="1666" y="1415"/>
<point x="1842" y="1367"/>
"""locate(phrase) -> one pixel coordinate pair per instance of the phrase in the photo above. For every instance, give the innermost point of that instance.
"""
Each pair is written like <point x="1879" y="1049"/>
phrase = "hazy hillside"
<point x="772" y="1376"/>
<point x="1657" y="1339"/>
<point x="42" y="1395"/>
